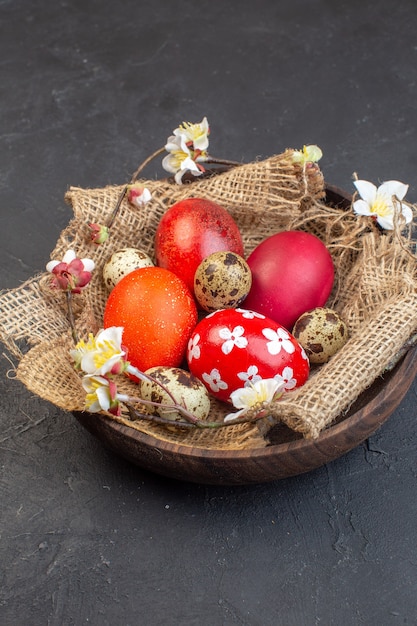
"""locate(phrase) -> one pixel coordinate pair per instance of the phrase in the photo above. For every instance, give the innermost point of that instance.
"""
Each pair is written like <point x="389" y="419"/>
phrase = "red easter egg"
<point x="292" y="272"/>
<point x="231" y="348"/>
<point x="190" y="231"/>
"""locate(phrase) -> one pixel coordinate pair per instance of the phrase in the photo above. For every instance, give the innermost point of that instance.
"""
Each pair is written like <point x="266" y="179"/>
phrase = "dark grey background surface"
<point x="88" y="90"/>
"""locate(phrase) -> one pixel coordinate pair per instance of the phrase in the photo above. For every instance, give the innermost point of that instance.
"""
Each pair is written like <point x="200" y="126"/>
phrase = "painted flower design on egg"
<point x="193" y="347"/>
<point x="235" y="348"/>
<point x="278" y="340"/>
<point x="287" y="377"/>
<point x="250" y="315"/>
<point x="214" y="381"/>
<point x="249" y="377"/>
<point x="232" y="338"/>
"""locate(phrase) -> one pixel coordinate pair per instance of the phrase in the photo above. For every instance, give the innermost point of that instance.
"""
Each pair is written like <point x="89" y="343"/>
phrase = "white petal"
<point x="178" y="177"/>
<point x="393" y="188"/>
<point x="204" y="124"/>
<point x="386" y="222"/>
<point x="270" y="334"/>
<point x="173" y="143"/>
<point x="50" y="266"/>
<point x="243" y="398"/>
<point x="361" y="207"/>
<point x="366" y="190"/>
<point x="69" y="256"/>
<point x="233" y="416"/>
<point x="89" y="264"/>
<point x="189" y="164"/>
<point x="168" y="163"/>
<point x="95" y="407"/>
<point x="87" y="363"/>
<point x="112" y="333"/>
<point x="146" y="195"/>
<point x="272" y="386"/>
<point x="103" y="398"/>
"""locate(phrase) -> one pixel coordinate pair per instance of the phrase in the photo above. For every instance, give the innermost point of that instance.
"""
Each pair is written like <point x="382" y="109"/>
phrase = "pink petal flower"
<point x="72" y="273"/>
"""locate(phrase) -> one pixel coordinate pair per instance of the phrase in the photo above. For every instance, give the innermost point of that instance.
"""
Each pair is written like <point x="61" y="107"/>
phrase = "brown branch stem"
<point x="146" y="162"/>
<point x="196" y="423"/>
<point x="117" y="207"/>
<point x="225" y="162"/>
<point x="174" y="407"/>
<point x="149" y="159"/>
<point x="71" y="318"/>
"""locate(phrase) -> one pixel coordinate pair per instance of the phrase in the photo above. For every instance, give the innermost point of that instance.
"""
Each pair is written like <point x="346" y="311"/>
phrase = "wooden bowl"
<point x="288" y="454"/>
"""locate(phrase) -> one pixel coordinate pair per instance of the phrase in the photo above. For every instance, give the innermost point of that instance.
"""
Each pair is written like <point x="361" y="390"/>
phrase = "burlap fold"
<point x="374" y="291"/>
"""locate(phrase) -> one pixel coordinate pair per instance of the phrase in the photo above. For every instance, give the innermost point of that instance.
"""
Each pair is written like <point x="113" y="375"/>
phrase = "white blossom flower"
<point x="101" y="395"/>
<point x="381" y="203"/>
<point x="250" y="376"/>
<point x="309" y="154"/>
<point x="232" y="338"/>
<point x="257" y="395"/>
<point x="278" y="340"/>
<point x="187" y="149"/>
<point x="68" y="258"/>
<point x="287" y="378"/>
<point x="72" y="273"/>
<point x="195" y="135"/>
<point x="102" y="354"/>
<point x="180" y="159"/>
<point x="214" y="380"/>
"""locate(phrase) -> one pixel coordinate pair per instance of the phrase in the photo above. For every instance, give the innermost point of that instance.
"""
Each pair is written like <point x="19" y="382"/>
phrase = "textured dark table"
<point x="89" y="89"/>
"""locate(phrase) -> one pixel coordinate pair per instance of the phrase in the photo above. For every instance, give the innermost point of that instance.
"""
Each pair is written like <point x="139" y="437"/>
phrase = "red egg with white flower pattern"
<point x="232" y="348"/>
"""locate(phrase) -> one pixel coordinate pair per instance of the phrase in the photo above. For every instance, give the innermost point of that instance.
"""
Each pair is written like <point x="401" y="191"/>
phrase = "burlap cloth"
<point x="375" y="293"/>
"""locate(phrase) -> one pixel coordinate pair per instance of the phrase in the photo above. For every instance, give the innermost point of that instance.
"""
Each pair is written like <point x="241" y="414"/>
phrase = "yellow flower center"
<point x="178" y="156"/>
<point x="104" y="352"/>
<point x="380" y="206"/>
<point x="91" y="397"/>
<point x="194" y="131"/>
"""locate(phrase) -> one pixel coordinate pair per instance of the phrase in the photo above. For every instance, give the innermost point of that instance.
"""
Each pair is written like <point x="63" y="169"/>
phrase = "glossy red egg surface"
<point x="190" y="231"/>
<point x="157" y="313"/>
<point x="231" y="348"/>
<point x="292" y="272"/>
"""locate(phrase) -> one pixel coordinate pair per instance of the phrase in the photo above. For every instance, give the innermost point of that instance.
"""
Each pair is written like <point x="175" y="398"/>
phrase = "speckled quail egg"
<point x="222" y="281"/>
<point x="185" y="388"/>
<point x="123" y="262"/>
<point x="321" y="332"/>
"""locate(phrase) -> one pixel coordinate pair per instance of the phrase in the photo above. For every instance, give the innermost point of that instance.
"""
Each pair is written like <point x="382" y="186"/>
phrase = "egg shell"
<point x="292" y="272"/>
<point x="185" y="388"/>
<point x="189" y="231"/>
<point x="222" y="281"/>
<point x="157" y="313"/>
<point x="231" y="348"/>
<point x="321" y="332"/>
<point x="122" y="263"/>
